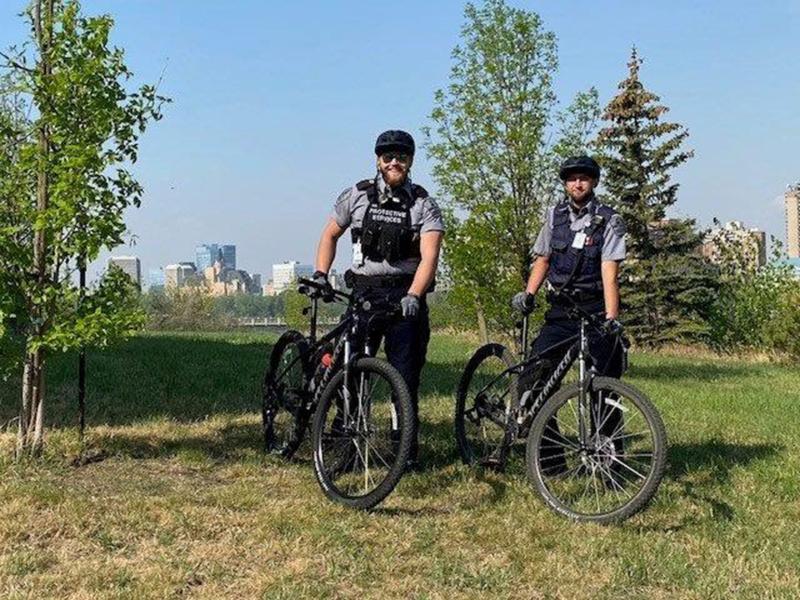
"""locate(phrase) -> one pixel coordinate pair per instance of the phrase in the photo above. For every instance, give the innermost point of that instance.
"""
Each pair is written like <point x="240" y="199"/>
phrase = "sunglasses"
<point x="398" y="156"/>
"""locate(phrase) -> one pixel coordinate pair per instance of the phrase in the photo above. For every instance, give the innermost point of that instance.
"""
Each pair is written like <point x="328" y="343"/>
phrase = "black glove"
<point x="523" y="302"/>
<point x="612" y="327"/>
<point x="410" y="306"/>
<point x="321" y="279"/>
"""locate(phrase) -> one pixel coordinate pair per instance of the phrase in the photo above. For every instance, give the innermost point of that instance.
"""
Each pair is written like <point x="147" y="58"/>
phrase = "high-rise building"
<point x="285" y="274"/>
<point x="748" y="244"/>
<point x="176" y="276"/>
<point x="205" y="256"/>
<point x="229" y="255"/>
<point x="130" y="265"/>
<point x="155" y="278"/>
<point x="792" y="202"/>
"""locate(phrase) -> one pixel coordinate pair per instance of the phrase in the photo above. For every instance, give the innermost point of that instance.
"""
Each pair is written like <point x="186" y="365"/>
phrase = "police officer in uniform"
<point x="578" y="252"/>
<point x="396" y="233"/>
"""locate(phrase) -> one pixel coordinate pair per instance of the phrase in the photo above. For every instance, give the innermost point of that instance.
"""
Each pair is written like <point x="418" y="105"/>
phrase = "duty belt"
<point x="577" y="296"/>
<point x="381" y="281"/>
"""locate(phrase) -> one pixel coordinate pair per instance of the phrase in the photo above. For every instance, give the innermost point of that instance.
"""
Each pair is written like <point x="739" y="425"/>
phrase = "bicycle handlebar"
<point x="311" y="288"/>
<point x="322" y="291"/>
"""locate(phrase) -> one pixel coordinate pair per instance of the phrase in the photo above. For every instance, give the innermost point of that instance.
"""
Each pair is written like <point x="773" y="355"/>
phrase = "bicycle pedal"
<point x="494" y="463"/>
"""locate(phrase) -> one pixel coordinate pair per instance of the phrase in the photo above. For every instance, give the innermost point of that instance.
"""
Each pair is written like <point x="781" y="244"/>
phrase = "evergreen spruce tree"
<point x="667" y="286"/>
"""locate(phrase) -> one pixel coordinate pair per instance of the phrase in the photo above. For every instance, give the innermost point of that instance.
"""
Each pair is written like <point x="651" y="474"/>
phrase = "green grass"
<point x="183" y="503"/>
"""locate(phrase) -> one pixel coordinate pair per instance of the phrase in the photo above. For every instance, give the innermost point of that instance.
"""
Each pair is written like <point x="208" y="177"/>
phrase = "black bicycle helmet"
<point x="579" y="164"/>
<point x="396" y="140"/>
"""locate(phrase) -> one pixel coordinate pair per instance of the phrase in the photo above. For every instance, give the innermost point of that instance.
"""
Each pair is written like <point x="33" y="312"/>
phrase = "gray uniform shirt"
<point x="613" y="235"/>
<point x="352" y="205"/>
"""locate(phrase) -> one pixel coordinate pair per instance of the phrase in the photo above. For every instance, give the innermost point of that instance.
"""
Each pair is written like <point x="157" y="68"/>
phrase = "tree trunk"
<point x="30" y="437"/>
<point x="37" y="408"/>
<point x="25" y="412"/>
<point x="30" y="434"/>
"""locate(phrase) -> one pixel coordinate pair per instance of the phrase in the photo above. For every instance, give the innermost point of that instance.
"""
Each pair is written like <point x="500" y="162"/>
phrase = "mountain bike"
<point x="595" y="450"/>
<point x="358" y="406"/>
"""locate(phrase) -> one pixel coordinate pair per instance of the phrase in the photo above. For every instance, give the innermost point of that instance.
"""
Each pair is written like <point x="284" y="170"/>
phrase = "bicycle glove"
<point x="523" y="302"/>
<point x="410" y="306"/>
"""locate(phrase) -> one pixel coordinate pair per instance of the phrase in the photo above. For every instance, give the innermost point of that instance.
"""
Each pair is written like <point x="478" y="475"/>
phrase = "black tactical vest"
<point x="579" y="267"/>
<point x="386" y="232"/>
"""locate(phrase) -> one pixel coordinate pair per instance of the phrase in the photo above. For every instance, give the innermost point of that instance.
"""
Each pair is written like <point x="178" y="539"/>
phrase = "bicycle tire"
<point x="487" y="417"/>
<point x="336" y="473"/>
<point x="609" y="463"/>
<point x="283" y="395"/>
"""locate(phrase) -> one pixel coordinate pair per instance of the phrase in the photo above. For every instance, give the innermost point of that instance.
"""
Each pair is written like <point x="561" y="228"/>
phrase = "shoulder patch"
<point x="433" y="209"/>
<point x="344" y="196"/>
<point x="617" y="223"/>
<point x="364" y="184"/>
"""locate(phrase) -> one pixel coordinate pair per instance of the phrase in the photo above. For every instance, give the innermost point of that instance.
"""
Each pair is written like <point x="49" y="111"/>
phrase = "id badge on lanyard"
<point x="579" y="241"/>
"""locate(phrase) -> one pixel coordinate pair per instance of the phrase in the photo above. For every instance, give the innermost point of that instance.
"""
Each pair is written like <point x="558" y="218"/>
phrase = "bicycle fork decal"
<point x="554" y="380"/>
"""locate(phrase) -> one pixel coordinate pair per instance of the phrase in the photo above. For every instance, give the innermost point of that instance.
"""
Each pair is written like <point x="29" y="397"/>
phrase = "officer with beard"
<point x="396" y="233"/>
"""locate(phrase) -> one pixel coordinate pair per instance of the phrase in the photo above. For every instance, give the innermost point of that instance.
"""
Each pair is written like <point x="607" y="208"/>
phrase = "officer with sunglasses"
<point x="396" y="233"/>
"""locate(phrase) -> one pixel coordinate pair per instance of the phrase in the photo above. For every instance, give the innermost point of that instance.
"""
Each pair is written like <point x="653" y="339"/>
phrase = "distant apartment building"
<point x="155" y="278"/>
<point x="130" y="265"/>
<point x="792" y="204"/>
<point x="205" y="256"/>
<point x="228" y="255"/>
<point x="177" y="275"/>
<point x="285" y="274"/>
<point x="735" y="239"/>
<point x="267" y="289"/>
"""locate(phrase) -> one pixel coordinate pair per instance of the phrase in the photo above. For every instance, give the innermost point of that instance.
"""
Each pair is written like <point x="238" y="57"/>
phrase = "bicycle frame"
<point x="345" y="332"/>
<point x="577" y="351"/>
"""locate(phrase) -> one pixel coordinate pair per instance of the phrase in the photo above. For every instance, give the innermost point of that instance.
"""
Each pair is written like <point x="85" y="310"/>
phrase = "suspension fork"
<point x="524" y="338"/>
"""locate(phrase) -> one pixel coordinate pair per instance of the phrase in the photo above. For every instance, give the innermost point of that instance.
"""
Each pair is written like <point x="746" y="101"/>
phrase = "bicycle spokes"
<point x="596" y="454"/>
<point x="358" y="447"/>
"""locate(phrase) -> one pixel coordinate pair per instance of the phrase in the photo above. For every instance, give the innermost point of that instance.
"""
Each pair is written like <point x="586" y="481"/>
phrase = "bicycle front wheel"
<point x="600" y="459"/>
<point x="484" y="399"/>
<point x="284" y="390"/>
<point x="362" y="433"/>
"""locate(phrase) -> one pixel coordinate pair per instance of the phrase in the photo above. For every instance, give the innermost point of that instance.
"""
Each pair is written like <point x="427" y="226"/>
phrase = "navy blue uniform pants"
<point x="605" y="355"/>
<point x="405" y="342"/>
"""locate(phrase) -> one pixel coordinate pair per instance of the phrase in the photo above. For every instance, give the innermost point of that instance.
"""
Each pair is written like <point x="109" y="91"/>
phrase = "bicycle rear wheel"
<point x="362" y="433"/>
<point x="614" y="468"/>
<point x="284" y="391"/>
<point x="484" y="400"/>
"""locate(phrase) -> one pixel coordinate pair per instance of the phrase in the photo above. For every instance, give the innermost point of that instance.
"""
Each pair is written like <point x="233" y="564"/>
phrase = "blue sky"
<point x="277" y="104"/>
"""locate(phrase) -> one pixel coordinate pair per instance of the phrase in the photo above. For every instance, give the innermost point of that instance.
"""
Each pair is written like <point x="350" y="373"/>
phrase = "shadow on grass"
<point x="716" y="456"/>
<point x="231" y="443"/>
<point x="701" y="468"/>
<point x="180" y="377"/>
